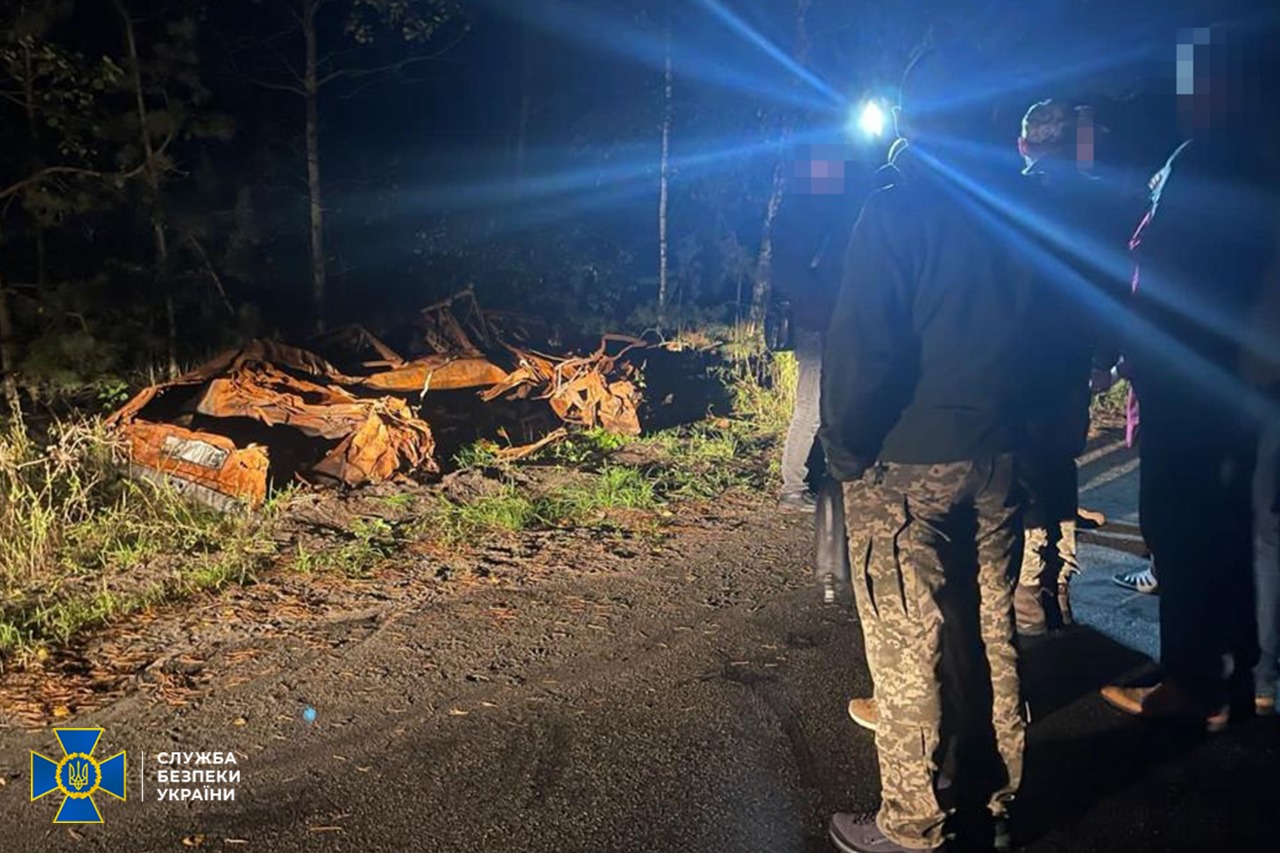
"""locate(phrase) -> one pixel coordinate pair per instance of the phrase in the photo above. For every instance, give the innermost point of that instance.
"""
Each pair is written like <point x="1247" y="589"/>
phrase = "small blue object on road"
<point x="309" y="714"/>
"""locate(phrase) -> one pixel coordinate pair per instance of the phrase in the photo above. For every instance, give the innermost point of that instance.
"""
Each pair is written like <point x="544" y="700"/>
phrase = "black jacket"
<point x="1206" y="257"/>
<point x="809" y="242"/>
<point x="926" y="355"/>
<point x="1078" y="234"/>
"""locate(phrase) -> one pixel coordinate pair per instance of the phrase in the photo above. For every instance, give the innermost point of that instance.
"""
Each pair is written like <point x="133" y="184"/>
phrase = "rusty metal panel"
<point x="387" y="443"/>
<point x="272" y="397"/>
<point x="438" y="373"/>
<point x="201" y="458"/>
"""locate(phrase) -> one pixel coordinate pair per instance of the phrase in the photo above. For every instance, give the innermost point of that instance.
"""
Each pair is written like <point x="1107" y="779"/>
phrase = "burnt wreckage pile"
<point x="351" y="410"/>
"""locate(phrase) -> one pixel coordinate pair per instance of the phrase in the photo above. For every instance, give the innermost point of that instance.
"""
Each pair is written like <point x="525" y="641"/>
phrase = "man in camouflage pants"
<point x="922" y="413"/>
<point x="918" y="531"/>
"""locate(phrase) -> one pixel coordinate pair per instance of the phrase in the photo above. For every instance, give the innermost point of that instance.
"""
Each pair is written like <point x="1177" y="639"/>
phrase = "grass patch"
<point x="479" y="454"/>
<point x="81" y="545"/>
<point x="510" y="509"/>
<point x="706" y="460"/>
<point x="761" y="383"/>
<point x="581" y="504"/>
<point x="701" y="443"/>
<point x="356" y="552"/>
<point x="507" y="509"/>
<point x="372" y="540"/>
<point x="1112" y="403"/>
<point x="587" y="447"/>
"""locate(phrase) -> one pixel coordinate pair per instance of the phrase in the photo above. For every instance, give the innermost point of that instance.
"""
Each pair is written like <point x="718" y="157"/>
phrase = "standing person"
<point x="1266" y="567"/>
<point x="1262" y="371"/>
<point x="1083" y="253"/>
<point x="921" y="390"/>
<point x="809" y="240"/>
<point x="1070" y="342"/>
<point x="1208" y="242"/>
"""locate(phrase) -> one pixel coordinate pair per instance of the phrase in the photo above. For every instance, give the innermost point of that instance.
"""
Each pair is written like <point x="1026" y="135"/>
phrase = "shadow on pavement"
<point x="1061" y="668"/>
<point x="1097" y="780"/>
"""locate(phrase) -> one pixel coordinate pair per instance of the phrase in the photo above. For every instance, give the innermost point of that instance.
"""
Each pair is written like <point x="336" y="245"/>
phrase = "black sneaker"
<point x="798" y="502"/>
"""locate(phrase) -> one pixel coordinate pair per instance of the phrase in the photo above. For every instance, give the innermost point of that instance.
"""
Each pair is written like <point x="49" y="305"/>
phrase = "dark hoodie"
<point x="926" y="355"/>
<point x="809" y="242"/>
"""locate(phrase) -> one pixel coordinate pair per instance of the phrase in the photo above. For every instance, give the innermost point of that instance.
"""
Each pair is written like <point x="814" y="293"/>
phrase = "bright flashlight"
<point x="871" y="119"/>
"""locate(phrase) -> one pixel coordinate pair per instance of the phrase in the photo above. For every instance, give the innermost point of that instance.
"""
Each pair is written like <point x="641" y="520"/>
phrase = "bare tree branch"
<point x="284" y="60"/>
<point x="387" y="69"/>
<point x="278" y="87"/>
<point x="213" y="275"/>
<point x="52" y="171"/>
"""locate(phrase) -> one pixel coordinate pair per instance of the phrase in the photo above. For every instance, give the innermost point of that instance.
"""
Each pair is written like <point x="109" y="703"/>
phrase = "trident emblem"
<point x="78" y="776"/>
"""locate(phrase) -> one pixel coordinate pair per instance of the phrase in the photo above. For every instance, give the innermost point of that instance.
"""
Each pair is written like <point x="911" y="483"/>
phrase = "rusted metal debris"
<point x="363" y="440"/>
<point x="437" y="373"/>
<point x="578" y="389"/>
<point x="267" y="410"/>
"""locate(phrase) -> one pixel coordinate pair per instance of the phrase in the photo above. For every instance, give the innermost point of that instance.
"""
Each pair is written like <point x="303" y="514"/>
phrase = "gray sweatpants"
<point x="805" y="415"/>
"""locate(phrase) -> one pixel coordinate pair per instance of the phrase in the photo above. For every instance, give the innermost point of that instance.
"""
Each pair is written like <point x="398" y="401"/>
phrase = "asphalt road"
<point x="693" y="702"/>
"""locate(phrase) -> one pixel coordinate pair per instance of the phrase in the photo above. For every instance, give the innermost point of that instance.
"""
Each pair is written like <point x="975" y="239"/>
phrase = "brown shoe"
<point x="1264" y="706"/>
<point x="1090" y="519"/>
<point x="865" y="713"/>
<point x="1028" y="611"/>
<point x="1165" y="701"/>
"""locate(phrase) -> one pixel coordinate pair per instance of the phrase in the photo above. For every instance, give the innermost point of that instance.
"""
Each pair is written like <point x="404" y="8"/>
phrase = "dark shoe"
<point x="798" y="502"/>
<point x="855" y="834"/>
<point x="1028" y="611"/>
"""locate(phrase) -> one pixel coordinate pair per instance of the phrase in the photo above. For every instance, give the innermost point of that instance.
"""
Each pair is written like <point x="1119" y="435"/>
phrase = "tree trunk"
<point x="763" y="287"/>
<point x="664" y="178"/>
<point x="9" y="357"/>
<point x="33" y="129"/>
<point x="802" y="32"/>
<point x="170" y="307"/>
<point x="155" y="204"/>
<point x="312" y="91"/>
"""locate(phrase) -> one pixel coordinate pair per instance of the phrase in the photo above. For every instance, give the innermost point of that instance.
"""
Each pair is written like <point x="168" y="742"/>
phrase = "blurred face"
<point x="1208" y="78"/>
<point x="820" y="170"/>
<point x="1086" y="142"/>
<point x="1069" y="135"/>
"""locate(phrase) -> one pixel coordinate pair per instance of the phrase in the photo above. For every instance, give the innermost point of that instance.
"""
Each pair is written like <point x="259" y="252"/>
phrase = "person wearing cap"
<point x="1083" y="283"/>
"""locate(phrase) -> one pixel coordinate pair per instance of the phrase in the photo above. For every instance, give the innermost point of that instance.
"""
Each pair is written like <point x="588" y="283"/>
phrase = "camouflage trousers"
<point x="923" y="539"/>
<point x="1051" y="482"/>
<point x="1049" y="555"/>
